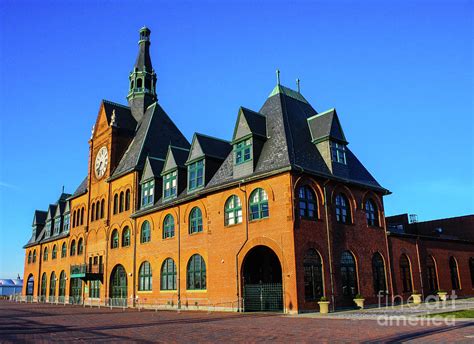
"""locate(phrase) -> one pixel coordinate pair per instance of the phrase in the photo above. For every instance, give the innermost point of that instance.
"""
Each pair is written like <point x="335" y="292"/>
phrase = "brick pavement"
<point x="46" y="323"/>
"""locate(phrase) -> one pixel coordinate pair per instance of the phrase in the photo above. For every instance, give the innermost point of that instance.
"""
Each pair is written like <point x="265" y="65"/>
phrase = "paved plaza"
<point x="37" y="323"/>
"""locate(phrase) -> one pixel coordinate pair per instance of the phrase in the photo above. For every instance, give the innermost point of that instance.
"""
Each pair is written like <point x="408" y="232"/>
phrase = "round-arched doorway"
<point x="118" y="286"/>
<point x="30" y="287"/>
<point x="262" y="281"/>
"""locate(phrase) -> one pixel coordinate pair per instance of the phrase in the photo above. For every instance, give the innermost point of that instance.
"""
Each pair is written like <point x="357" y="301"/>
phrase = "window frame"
<point x="308" y="199"/>
<point x="195" y="221"/>
<point x="313" y="275"/>
<point x="145" y="279"/>
<point x="343" y="209"/>
<point x="233" y="212"/>
<point x="168" y="227"/>
<point x="195" y="275"/>
<point x="371" y="213"/>
<point x="379" y="275"/>
<point x="168" y="274"/>
<point x="258" y="209"/>
<point x="148" y="193"/>
<point x="171" y="191"/>
<point x="406" y="273"/>
<point x="126" y="235"/>
<point x="454" y="273"/>
<point x="145" y="237"/>
<point x="196" y="175"/>
<point x="338" y="152"/>
<point x="243" y="147"/>
<point x="64" y="250"/>
<point x="348" y="270"/>
<point x="114" y="239"/>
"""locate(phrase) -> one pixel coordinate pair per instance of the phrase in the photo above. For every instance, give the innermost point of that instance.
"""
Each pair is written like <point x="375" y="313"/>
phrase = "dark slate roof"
<point x="40" y="217"/>
<point x="326" y="125"/>
<point x="123" y="115"/>
<point x="180" y="155"/>
<point x="153" y="135"/>
<point x="213" y="147"/>
<point x="81" y="189"/>
<point x="52" y="210"/>
<point x="256" y="122"/>
<point x="63" y="197"/>
<point x="152" y="169"/>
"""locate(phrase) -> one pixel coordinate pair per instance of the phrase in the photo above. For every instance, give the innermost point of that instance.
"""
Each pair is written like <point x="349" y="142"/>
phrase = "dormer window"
<point x="243" y="151"/>
<point x="169" y="185"/>
<point x="48" y="229"/>
<point x="196" y="175"/>
<point x="338" y="152"/>
<point x="57" y="225"/>
<point x="148" y="193"/>
<point x="67" y="219"/>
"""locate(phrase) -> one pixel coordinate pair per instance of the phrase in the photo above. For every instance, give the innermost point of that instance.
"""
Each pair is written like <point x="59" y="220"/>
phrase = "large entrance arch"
<point x="118" y="286"/>
<point x="262" y="280"/>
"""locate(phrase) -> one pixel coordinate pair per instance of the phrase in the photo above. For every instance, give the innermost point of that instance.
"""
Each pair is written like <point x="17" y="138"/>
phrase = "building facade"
<point x="274" y="219"/>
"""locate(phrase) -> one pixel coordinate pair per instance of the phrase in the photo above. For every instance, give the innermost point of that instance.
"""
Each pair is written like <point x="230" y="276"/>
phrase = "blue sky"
<point x="400" y="75"/>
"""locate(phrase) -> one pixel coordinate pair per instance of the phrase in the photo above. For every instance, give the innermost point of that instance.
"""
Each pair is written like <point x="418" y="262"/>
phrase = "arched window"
<point x="378" y="271"/>
<point x="82" y="216"/>
<point x="471" y="268"/>
<point x="62" y="286"/>
<point x="168" y="275"/>
<point x="144" y="277"/>
<point x="131" y="85"/>
<point x="431" y="274"/>
<point x="313" y="275"/>
<point x="72" y="249"/>
<point x="348" y="274"/>
<point x="126" y="237"/>
<point x="97" y="210"/>
<point x="343" y="210"/>
<point x="307" y="203"/>
<point x="115" y="204"/>
<point x="145" y="235"/>
<point x="102" y="209"/>
<point x="114" y="240"/>
<point x="44" y="287"/>
<point x="139" y="83"/>
<point x="93" y="212"/>
<point x="52" y="287"/>
<point x="168" y="227"/>
<point x="73" y="219"/>
<point x="45" y="254"/>
<point x="195" y="221"/>
<point x="29" y="257"/>
<point x="232" y="211"/>
<point x="258" y="204"/>
<point x="34" y="256"/>
<point x="122" y="201"/>
<point x="127" y="199"/>
<point x="63" y="250"/>
<point x="80" y="246"/>
<point x="453" y="269"/>
<point x="54" y="252"/>
<point x="196" y="273"/>
<point x="371" y="213"/>
<point x="405" y="274"/>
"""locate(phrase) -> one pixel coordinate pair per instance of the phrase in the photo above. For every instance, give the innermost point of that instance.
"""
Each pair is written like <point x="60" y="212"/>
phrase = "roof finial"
<point x="298" y="85"/>
<point x="63" y="189"/>
<point x="113" y="119"/>
<point x="278" y="77"/>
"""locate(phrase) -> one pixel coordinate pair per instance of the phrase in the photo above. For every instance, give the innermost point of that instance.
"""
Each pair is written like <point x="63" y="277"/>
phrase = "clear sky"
<point x="400" y="75"/>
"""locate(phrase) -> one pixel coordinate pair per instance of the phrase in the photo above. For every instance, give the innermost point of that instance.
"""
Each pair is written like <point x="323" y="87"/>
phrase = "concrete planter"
<point x="359" y="303"/>
<point x="323" y="307"/>
<point x="416" y="298"/>
<point x="443" y="296"/>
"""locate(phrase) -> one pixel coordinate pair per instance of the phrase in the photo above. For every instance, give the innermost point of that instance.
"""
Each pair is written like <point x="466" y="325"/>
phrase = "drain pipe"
<point x="178" y="282"/>
<point x="241" y="247"/>
<point x="329" y="247"/>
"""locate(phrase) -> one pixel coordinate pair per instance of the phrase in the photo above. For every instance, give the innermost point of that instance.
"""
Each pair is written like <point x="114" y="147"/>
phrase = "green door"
<point x="118" y="286"/>
<point x="75" y="292"/>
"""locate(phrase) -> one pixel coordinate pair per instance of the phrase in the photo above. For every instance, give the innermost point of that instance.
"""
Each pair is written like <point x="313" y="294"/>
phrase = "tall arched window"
<point x="29" y="257"/>
<point x="145" y="235"/>
<point x="114" y="239"/>
<point x="97" y="210"/>
<point x="307" y="203"/>
<point x="405" y="274"/>
<point x="62" y="286"/>
<point x="144" y="277"/>
<point x="122" y="201"/>
<point x="313" y="275"/>
<point x="348" y="274"/>
<point x="232" y="211"/>
<point x="195" y="221"/>
<point x="44" y="287"/>
<point x="45" y="254"/>
<point x="54" y="252"/>
<point x="34" y="256"/>
<point x="126" y="237"/>
<point x="431" y="274"/>
<point x="258" y="204"/>
<point x="73" y="219"/>
<point x="82" y="216"/>
<point x="127" y="199"/>
<point x="72" y="249"/>
<point x="453" y="269"/>
<point x="196" y="273"/>
<point x="471" y="268"/>
<point x="93" y="212"/>
<point x="378" y="271"/>
<point x="80" y="246"/>
<point x="115" y="204"/>
<point x="102" y="209"/>
<point x="139" y="83"/>
<point x="168" y="275"/>
<point x="168" y="227"/>
<point x="371" y="213"/>
<point x="343" y="210"/>
<point x="63" y="250"/>
<point x="52" y="287"/>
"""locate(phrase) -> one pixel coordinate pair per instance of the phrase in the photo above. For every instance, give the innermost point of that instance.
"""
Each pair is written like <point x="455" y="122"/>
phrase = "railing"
<point x="82" y="269"/>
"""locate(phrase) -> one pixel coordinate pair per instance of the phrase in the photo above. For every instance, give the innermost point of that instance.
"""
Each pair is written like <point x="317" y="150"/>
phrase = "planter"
<point x="416" y="298"/>
<point x="323" y="307"/>
<point x="442" y="295"/>
<point x="359" y="303"/>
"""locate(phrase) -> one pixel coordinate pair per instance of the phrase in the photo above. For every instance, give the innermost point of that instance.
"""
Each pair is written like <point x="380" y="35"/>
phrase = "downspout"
<point x="135" y="182"/>
<point x="331" y="278"/>
<point x="240" y="249"/>
<point x="179" y="258"/>
<point x="419" y="266"/>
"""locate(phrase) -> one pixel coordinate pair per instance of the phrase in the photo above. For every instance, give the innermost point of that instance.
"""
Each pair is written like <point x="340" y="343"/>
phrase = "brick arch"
<point x="345" y="190"/>
<point x="263" y="241"/>
<point x="163" y="214"/>
<point x="198" y="203"/>
<point x="352" y="251"/>
<point x="122" y="188"/>
<point x="265" y="186"/>
<point x="318" y="192"/>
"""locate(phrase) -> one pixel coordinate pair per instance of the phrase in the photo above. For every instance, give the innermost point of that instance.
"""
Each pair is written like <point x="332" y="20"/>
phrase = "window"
<point x="169" y="185"/>
<point x="115" y="204"/>
<point x="196" y="273"/>
<point x="127" y="199"/>
<point x="102" y="209"/>
<point x="114" y="242"/>
<point x="378" y="271"/>
<point x="139" y="83"/>
<point x="195" y="221"/>
<point x="471" y="268"/>
<point x="45" y="254"/>
<point x="196" y="175"/>
<point x="148" y="190"/>
<point x="313" y="275"/>
<point x="73" y="219"/>
<point x="145" y="235"/>
<point x="371" y="213"/>
<point x="80" y="246"/>
<point x="44" y="282"/>
<point x="82" y="216"/>
<point x="122" y="201"/>
<point x="63" y="250"/>
<point x="34" y="256"/>
<point x="97" y="210"/>
<point x="243" y="151"/>
<point x="94" y="289"/>
<point x="29" y="257"/>
<point x="62" y="286"/>
<point x="168" y="275"/>
<point x="93" y="212"/>
<point x="144" y="277"/>
<point x="338" y="152"/>
<point x="258" y="204"/>
<point x="52" y="287"/>
<point x="67" y="219"/>
<point x="232" y="211"/>
<point x="126" y="237"/>
<point x="432" y="275"/>
<point x="453" y="269"/>
<point x="348" y="274"/>
<point x="57" y="225"/>
<point x="405" y="274"/>
<point x="54" y="252"/>
<point x="72" y="248"/>
<point x="307" y="203"/>
<point x="168" y="227"/>
<point x="343" y="211"/>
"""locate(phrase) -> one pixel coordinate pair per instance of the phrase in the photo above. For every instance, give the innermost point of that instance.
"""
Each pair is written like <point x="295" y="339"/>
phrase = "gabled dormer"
<point x="66" y="218"/>
<point x="150" y="186"/>
<point x="50" y="220"/>
<point x="250" y="133"/>
<point x="39" y="221"/>
<point x="328" y="136"/>
<point x="57" y="218"/>
<point x="205" y="157"/>
<point x="174" y="172"/>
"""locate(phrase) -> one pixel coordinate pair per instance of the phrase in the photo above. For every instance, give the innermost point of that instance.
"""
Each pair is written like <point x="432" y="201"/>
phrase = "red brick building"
<point x="275" y="218"/>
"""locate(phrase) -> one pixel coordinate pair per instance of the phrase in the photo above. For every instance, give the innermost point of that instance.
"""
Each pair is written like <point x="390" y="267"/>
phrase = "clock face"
<point x="101" y="160"/>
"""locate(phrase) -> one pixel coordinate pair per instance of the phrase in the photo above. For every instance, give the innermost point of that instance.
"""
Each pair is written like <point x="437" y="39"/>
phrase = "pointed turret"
<point x="142" y="91"/>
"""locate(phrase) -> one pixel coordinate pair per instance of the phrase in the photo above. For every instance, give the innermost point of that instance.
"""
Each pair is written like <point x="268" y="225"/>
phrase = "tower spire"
<point x="142" y="87"/>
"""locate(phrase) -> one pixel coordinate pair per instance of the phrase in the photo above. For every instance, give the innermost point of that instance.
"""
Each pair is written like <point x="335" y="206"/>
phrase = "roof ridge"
<point x="212" y="137"/>
<point x="255" y="112"/>
<point x="154" y="158"/>
<point x="114" y="103"/>
<point x="182" y="148"/>
<point x="322" y="113"/>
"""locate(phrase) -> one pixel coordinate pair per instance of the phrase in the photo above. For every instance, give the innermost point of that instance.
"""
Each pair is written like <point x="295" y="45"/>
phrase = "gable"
<point x="170" y="161"/>
<point x="196" y="150"/>
<point x="242" y="128"/>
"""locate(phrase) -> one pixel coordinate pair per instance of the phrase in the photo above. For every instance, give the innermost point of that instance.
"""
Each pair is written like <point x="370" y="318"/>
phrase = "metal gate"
<point x="263" y="297"/>
<point x="75" y="291"/>
<point x="118" y="287"/>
